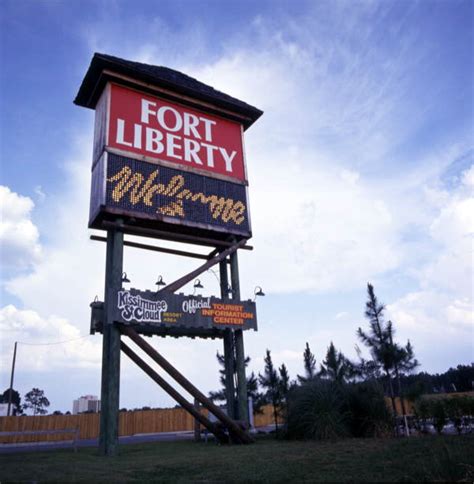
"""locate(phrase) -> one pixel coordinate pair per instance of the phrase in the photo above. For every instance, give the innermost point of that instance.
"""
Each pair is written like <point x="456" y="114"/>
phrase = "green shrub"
<point x="369" y="415"/>
<point x="316" y="410"/>
<point x="454" y="412"/>
<point x="324" y="410"/>
<point x="422" y="414"/>
<point x="458" y="410"/>
<point x="439" y="414"/>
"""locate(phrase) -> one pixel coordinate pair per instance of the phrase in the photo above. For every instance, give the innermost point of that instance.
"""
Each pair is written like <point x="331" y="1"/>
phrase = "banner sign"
<point x="177" y="310"/>
<point x="163" y="131"/>
<point x="144" y="190"/>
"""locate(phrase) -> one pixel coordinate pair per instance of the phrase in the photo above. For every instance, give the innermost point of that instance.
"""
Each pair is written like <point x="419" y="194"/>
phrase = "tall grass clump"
<point x="369" y="415"/>
<point x="322" y="409"/>
<point x="316" y="410"/>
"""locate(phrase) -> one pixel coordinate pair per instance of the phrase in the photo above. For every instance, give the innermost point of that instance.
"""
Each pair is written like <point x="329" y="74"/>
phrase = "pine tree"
<point x="36" y="400"/>
<point x="284" y="389"/>
<point x="16" y="408"/>
<point x="284" y="381"/>
<point x="271" y="382"/>
<point x="258" y="398"/>
<point x="336" y="367"/>
<point x="391" y="357"/>
<point x="404" y="361"/>
<point x="309" y="365"/>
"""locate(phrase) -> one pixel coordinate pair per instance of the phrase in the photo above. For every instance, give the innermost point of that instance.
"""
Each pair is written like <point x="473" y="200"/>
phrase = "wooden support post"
<point x="229" y="359"/>
<point x="237" y="434"/>
<point x="242" y="396"/>
<point x="110" y="387"/>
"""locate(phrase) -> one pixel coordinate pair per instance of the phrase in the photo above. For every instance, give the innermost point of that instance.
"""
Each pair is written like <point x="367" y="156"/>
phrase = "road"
<point x="132" y="439"/>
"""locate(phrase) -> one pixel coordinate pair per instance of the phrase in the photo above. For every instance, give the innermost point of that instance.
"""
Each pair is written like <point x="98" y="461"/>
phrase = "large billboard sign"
<point x="163" y="131"/>
<point x="168" y="152"/>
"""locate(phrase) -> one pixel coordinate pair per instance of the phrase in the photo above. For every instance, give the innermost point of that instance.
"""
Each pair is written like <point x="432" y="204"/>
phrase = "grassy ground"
<point x="422" y="459"/>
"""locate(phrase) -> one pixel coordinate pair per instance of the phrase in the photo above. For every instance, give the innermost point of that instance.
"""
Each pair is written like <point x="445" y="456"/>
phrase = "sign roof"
<point x="164" y="77"/>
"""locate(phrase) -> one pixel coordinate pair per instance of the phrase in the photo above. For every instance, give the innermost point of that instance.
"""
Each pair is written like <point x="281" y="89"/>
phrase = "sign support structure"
<point x="168" y="163"/>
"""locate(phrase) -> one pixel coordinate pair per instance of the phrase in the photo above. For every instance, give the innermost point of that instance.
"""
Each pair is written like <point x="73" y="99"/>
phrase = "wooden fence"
<point x="130" y="423"/>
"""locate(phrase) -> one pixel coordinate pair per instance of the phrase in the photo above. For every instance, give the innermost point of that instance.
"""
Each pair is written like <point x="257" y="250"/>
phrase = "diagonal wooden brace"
<point x="174" y="286"/>
<point x="238" y="435"/>
<point x="220" y="435"/>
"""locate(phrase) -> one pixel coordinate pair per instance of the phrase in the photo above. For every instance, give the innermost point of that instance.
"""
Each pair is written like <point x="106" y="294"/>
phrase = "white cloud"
<point x="26" y="326"/>
<point x="441" y="312"/>
<point x="19" y="237"/>
<point x="39" y="193"/>
<point x="452" y="231"/>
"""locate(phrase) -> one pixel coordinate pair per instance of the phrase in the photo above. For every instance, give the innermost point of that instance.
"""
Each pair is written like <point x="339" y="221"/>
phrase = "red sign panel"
<point x="159" y="129"/>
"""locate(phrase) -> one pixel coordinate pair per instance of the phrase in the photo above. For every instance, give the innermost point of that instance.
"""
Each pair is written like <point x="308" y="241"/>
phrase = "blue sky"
<point x="364" y="156"/>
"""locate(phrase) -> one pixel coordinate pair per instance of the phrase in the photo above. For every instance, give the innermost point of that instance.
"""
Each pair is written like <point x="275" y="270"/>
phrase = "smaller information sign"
<point x="178" y="310"/>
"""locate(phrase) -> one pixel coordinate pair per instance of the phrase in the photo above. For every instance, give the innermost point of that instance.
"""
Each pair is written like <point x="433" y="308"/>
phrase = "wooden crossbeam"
<point x="165" y="235"/>
<point x="154" y="248"/>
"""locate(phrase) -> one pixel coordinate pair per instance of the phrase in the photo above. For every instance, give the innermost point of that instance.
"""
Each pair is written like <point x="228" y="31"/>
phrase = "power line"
<point x="53" y="343"/>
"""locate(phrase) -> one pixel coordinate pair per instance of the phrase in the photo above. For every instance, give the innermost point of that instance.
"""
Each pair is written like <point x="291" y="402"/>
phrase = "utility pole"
<point x="11" y="380"/>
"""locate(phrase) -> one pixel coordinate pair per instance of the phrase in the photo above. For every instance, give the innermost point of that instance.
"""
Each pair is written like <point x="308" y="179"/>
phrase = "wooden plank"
<point x="238" y="435"/>
<point x="220" y="435"/>
<point x="165" y="250"/>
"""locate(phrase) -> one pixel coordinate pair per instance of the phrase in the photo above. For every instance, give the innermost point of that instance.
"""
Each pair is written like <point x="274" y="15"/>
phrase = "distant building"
<point x="4" y="409"/>
<point x="86" y="403"/>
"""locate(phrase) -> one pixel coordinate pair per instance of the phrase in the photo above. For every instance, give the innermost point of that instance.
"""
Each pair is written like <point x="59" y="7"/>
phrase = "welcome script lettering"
<point x="126" y="182"/>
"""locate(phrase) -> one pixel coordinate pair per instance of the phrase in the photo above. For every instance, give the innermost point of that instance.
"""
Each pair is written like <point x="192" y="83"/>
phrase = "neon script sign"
<point x="148" y="191"/>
